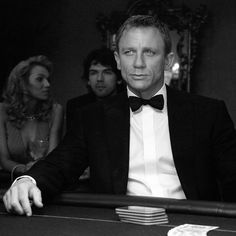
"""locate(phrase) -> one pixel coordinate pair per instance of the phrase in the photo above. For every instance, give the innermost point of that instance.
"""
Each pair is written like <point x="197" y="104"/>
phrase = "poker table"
<point x="94" y="214"/>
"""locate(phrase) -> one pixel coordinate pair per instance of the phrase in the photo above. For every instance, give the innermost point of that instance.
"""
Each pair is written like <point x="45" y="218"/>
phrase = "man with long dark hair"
<point x="103" y="80"/>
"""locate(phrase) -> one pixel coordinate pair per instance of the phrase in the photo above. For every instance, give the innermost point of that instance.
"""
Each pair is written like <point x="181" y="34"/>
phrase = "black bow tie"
<point x="156" y="102"/>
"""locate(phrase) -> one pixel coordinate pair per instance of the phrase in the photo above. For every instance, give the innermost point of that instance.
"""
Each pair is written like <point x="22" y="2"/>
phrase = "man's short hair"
<point x="138" y="21"/>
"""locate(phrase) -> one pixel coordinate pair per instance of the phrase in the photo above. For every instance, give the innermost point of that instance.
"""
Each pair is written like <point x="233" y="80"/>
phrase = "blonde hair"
<point x="13" y="94"/>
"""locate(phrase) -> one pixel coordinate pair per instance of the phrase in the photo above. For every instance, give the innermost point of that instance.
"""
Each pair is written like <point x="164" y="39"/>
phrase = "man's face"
<point x="141" y="59"/>
<point x="102" y="80"/>
<point x="38" y="84"/>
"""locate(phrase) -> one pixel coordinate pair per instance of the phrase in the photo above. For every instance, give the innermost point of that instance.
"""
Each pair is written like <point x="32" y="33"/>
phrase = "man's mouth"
<point x="138" y="76"/>
<point x="100" y="87"/>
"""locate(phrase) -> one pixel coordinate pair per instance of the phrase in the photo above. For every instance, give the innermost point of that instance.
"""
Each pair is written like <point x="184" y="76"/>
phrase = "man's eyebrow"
<point x="127" y="47"/>
<point x="148" y="48"/>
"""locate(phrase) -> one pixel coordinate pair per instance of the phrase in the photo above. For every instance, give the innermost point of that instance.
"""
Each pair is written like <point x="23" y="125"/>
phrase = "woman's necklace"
<point x="32" y="117"/>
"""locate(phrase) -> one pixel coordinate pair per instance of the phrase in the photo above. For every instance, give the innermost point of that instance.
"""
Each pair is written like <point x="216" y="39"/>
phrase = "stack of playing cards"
<point x="142" y="215"/>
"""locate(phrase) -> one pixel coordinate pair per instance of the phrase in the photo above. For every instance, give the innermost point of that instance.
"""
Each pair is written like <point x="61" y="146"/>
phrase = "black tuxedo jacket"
<point x="203" y="141"/>
<point x="75" y="103"/>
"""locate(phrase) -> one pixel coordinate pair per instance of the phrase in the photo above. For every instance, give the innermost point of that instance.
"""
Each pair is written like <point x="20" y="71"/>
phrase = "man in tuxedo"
<point x="103" y="80"/>
<point x="149" y="140"/>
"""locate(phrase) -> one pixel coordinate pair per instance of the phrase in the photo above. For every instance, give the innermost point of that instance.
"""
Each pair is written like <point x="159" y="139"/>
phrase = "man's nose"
<point x="100" y="77"/>
<point x="139" y="61"/>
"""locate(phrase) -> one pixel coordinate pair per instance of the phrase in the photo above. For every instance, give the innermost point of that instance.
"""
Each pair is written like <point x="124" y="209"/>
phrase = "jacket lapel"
<point x="117" y="132"/>
<point x="180" y="115"/>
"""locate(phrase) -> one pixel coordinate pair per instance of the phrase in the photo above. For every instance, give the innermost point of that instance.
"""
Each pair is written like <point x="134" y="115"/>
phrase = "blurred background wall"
<point x="65" y="31"/>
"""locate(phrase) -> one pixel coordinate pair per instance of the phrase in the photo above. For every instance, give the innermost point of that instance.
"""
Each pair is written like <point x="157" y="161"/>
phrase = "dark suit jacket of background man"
<point x="203" y="143"/>
<point x="75" y="103"/>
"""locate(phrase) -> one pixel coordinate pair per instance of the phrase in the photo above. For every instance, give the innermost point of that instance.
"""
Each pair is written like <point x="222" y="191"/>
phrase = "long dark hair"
<point x="105" y="57"/>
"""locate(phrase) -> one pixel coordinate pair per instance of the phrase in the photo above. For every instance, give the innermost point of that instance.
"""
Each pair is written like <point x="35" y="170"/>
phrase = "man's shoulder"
<point x="192" y="97"/>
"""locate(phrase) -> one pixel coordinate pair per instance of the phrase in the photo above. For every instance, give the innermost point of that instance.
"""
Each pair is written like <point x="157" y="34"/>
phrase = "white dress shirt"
<point x="151" y="167"/>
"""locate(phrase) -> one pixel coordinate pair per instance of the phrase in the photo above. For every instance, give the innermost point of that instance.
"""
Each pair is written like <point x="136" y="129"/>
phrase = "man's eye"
<point x="109" y="72"/>
<point x="150" y="53"/>
<point x="92" y="72"/>
<point x="129" y="52"/>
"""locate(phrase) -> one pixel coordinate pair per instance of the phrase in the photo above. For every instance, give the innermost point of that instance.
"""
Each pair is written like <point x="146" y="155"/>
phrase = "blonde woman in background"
<point x="30" y="121"/>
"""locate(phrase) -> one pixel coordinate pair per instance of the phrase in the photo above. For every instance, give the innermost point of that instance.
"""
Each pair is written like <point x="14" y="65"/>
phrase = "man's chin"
<point x="101" y="94"/>
<point x="139" y="87"/>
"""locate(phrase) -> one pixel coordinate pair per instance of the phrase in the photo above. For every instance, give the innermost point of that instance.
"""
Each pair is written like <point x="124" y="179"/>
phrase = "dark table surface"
<point x="88" y="214"/>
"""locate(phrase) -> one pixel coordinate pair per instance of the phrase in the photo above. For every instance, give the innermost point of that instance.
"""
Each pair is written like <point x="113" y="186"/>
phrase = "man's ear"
<point x="117" y="57"/>
<point x="169" y="60"/>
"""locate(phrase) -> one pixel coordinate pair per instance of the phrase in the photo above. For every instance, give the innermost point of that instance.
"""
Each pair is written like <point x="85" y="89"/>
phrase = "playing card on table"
<point x="146" y="216"/>
<point x="191" y="230"/>
<point x="140" y="210"/>
<point x="142" y="215"/>
<point x="144" y="222"/>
